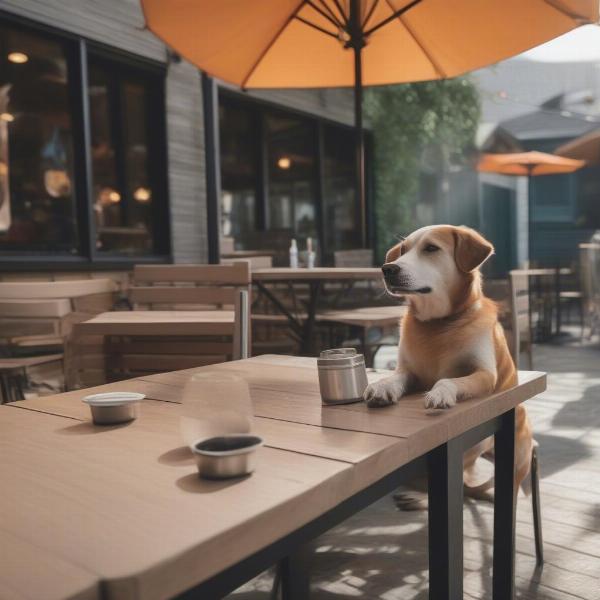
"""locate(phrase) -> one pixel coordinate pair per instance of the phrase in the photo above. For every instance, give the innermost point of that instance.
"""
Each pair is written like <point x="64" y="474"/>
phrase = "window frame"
<point x="78" y="50"/>
<point x="259" y="108"/>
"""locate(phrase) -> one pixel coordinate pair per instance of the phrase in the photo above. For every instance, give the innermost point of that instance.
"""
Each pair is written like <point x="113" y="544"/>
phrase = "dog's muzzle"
<point x="398" y="282"/>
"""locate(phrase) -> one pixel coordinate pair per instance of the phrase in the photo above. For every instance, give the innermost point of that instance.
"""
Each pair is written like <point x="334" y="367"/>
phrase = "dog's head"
<point x="436" y="267"/>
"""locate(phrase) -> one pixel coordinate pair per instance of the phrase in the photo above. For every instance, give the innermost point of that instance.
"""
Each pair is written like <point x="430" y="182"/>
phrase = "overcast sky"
<point x="580" y="45"/>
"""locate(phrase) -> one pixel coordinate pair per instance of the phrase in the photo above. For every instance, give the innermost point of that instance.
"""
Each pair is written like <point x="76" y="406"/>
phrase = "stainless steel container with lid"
<point x="342" y="376"/>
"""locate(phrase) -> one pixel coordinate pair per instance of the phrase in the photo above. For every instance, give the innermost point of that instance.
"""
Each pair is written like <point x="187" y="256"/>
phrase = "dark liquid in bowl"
<point x="224" y="444"/>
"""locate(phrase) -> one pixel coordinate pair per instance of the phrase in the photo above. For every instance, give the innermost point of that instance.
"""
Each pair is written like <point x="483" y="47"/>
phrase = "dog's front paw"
<point x="441" y="395"/>
<point x="385" y="391"/>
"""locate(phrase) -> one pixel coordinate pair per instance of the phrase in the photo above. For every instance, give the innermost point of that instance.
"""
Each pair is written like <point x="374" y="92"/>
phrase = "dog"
<point x="451" y="343"/>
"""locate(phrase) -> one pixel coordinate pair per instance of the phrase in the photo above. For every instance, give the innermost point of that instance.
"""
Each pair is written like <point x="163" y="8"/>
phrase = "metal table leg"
<point x="295" y="579"/>
<point x="445" y="473"/>
<point x="504" y="508"/>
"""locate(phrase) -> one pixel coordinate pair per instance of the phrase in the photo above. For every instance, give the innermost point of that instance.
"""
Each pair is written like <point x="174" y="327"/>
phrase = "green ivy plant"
<point x="405" y="119"/>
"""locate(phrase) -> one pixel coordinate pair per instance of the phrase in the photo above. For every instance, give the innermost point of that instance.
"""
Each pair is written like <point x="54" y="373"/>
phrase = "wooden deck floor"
<point x="381" y="553"/>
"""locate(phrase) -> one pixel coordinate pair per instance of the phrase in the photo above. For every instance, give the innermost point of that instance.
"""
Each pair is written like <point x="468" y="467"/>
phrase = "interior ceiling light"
<point x="284" y="162"/>
<point x="18" y="58"/>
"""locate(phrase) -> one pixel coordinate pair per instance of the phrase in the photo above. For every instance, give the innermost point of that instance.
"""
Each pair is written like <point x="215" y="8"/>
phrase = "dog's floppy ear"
<point x="471" y="249"/>
<point x="394" y="252"/>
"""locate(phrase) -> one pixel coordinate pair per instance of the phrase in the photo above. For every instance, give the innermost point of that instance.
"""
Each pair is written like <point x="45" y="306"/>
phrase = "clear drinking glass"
<point x="215" y="404"/>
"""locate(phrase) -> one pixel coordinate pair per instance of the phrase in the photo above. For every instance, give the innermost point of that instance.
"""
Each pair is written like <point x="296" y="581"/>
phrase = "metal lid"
<point x="340" y="361"/>
<point x="338" y="352"/>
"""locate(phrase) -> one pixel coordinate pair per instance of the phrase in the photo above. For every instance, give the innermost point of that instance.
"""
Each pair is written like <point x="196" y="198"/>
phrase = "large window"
<point x="37" y="197"/>
<point x="286" y="176"/>
<point x="82" y="139"/>
<point x="124" y="194"/>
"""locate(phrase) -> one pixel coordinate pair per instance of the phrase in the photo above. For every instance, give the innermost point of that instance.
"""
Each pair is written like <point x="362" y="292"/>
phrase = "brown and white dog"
<point x="451" y="343"/>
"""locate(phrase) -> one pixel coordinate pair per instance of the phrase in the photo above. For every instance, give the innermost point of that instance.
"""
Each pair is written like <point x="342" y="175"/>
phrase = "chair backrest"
<point x="175" y="286"/>
<point x="520" y="315"/>
<point x="361" y="257"/>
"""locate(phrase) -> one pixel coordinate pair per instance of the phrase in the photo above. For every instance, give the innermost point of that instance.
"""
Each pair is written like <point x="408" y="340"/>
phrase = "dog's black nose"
<point x="390" y="270"/>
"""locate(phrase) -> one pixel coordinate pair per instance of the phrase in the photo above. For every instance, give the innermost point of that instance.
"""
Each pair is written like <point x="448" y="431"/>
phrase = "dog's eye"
<point x="431" y="248"/>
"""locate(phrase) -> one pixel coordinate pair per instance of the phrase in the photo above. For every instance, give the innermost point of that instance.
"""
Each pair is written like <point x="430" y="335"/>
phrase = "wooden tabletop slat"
<point x="160" y="322"/>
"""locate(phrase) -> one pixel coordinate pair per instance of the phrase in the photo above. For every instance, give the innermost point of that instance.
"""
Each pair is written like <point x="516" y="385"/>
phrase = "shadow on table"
<point x="193" y="484"/>
<point x="87" y="428"/>
<point x="177" y="457"/>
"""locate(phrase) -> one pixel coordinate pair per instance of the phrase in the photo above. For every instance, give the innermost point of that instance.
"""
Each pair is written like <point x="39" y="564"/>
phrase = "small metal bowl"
<point x="113" y="408"/>
<point x="226" y="456"/>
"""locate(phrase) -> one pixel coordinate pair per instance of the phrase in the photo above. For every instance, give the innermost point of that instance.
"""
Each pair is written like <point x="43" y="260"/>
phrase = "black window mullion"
<point x="262" y="196"/>
<point x="319" y="190"/>
<point x="118" y="124"/>
<point x="79" y="86"/>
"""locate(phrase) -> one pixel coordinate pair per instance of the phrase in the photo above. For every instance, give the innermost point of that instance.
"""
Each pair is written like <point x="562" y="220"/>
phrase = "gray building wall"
<point x="120" y="23"/>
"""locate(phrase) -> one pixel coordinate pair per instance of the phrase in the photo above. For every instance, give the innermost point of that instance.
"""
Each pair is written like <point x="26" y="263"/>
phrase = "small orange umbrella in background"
<point x="528" y="164"/>
<point x="586" y="147"/>
<point x="336" y="43"/>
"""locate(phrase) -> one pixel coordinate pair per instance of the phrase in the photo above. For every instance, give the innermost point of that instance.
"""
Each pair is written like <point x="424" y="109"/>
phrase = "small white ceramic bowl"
<point x="114" y="407"/>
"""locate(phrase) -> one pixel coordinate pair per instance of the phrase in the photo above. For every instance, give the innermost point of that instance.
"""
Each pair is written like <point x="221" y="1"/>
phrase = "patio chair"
<point x="183" y="287"/>
<point x="590" y="287"/>
<point x="36" y="317"/>
<point x="521" y="333"/>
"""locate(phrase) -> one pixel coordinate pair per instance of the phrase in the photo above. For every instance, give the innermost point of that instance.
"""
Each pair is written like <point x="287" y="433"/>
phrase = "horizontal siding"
<point x="118" y="23"/>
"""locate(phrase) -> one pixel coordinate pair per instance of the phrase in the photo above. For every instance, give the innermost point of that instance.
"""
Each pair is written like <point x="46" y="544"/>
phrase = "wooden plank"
<point x="365" y="317"/>
<point x="323" y="273"/>
<point x="182" y="295"/>
<point x="236" y="273"/>
<point x="29" y="572"/>
<point x="347" y="446"/>
<point x="52" y="307"/>
<point x="9" y="364"/>
<point x="140" y="488"/>
<point x="10" y="290"/>
<point x="291" y="393"/>
<point x="153" y="322"/>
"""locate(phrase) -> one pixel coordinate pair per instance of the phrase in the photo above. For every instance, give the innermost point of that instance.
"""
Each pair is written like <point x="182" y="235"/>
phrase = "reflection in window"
<point x="123" y="194"/>
<point x="37" y="208"/>
<point x="340" y="208"/>
<point x="239" y="172"/>
<point x="291" y="167"/>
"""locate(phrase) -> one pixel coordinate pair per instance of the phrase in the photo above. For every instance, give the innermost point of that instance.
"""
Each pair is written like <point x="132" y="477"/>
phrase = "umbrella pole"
<point x="357" y="43"/>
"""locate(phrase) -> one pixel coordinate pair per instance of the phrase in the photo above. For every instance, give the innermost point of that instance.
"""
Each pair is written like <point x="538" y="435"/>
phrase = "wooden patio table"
<point x="125" y="504"/>
<point x="314" y="278"/>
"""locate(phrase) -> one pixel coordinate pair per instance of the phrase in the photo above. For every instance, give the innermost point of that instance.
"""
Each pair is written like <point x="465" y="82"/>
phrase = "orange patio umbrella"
<point x="528" y="164"/>
<point x="333" y="43"/>
<point x="586" y="147"/>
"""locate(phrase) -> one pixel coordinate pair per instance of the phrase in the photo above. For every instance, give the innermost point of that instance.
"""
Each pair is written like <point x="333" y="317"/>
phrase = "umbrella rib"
<point x="290" y="18"/>
<point x="315" y="26"/>
<point x="557" y="5"/>
<point x="342" y="13"/>
<point x="332" y="16"/>
<point x="436" y="66"/>
<point x="392" y="17"/>
<point x="370" y="13"/>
